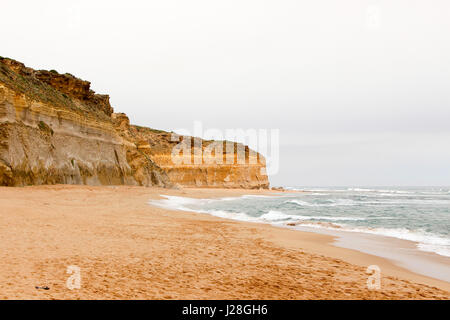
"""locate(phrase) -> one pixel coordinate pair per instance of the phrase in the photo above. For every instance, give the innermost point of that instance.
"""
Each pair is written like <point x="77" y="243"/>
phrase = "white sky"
<point x="359" y="89"/>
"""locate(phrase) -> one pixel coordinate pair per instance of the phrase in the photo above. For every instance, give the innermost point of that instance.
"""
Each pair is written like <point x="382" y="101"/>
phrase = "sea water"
<point x="421" y="215"/>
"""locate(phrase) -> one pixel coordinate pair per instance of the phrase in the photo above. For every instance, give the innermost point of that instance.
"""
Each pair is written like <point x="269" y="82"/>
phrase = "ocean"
<point x="418" y="214"/>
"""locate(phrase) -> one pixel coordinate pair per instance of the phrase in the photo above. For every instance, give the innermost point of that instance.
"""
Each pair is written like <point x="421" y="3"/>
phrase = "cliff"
<point x="202" y="168"/>
<point x="55" y="129"/>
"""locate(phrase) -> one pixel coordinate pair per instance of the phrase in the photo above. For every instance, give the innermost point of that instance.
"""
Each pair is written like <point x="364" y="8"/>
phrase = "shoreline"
<point x="128" y="249"/>
<point x="404" y="253"/>
<point x="397" y="264"/>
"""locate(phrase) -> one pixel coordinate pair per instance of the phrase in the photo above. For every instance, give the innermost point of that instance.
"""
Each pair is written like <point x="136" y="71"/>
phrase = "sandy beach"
<point x="128" y="249"/>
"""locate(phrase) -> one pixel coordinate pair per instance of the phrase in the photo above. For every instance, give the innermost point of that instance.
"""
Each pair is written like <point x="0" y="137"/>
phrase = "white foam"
<point x="425" y="241"/>
<point x="349" y="202"/>
<point x="275" y="216"/>
<point x="182" y="203"/>
<point x="380" y="190"/>
<point x="442" y="250"/>
<point x="332" y="203"/>
<point x="230" y="215"/>
<point x="178" y="203"/>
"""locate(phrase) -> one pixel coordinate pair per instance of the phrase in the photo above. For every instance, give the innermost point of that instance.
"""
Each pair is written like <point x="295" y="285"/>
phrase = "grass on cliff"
<point x="157" y="131"/>
<point x="40" y="91"/>
<point x="34" y="88"/>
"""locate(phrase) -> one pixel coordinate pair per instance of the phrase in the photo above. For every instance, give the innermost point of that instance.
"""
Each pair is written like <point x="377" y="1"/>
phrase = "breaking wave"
<point x="421" y="220"/>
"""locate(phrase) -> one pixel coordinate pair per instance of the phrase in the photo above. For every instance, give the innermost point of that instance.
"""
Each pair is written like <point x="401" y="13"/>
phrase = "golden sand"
<point x="127" y="249"/>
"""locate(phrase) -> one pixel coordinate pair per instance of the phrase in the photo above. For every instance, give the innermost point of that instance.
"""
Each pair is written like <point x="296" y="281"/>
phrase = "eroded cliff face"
<point x="195" y="162"/>
<point x="55" y="129"/>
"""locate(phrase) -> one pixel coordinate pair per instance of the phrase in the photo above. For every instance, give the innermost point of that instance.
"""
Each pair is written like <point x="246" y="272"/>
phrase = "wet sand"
<point x="127" y="249"/>
<point x="403" y="253"/>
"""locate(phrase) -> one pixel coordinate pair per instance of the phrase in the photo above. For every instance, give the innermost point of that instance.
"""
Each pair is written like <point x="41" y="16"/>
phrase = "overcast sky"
<point x="359" y="89"/>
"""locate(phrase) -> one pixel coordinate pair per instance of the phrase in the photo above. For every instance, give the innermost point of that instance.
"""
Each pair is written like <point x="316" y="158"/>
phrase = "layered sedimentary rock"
<point x="195" y="162"/>
<point x="55" y="129"/>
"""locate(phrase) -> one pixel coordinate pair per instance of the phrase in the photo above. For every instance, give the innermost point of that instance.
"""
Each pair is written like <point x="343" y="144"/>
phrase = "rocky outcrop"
<point x="55" y="129"/>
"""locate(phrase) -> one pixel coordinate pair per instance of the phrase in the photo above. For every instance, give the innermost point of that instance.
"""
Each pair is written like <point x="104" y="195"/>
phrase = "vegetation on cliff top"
<point x="23" y="80"/>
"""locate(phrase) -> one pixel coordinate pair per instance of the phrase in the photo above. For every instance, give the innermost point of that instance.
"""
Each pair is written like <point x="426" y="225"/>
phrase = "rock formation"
<point x="55" y="129"/>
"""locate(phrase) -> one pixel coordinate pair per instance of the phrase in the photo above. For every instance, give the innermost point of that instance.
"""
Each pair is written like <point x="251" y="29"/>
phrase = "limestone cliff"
<point x="202" y="168"/>
<point x="55" y="129"/>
